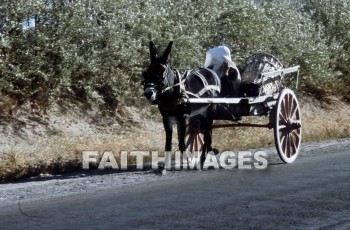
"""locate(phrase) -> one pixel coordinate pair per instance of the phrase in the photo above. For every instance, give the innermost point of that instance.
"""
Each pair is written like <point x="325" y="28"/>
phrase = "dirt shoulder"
<point x="33" y="144"/>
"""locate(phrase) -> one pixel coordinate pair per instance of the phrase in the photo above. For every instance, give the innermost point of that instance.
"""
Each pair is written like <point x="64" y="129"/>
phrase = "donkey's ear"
<point x="167" y="52"/>
<point x="152" y="51"/>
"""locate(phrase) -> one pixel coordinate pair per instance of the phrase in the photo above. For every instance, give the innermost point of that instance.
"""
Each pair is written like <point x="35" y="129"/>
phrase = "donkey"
<point x="164" y="86"/>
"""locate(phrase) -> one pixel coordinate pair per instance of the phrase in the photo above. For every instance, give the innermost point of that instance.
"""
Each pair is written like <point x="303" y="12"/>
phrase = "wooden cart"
<point x="280" y="105"/>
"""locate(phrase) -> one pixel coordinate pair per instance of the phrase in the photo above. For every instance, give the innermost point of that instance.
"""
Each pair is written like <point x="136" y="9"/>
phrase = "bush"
<point x="94" y="52"/>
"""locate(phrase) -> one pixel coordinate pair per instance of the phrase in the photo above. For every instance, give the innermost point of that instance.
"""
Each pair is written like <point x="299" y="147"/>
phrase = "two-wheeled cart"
<point x="264" y="83"/>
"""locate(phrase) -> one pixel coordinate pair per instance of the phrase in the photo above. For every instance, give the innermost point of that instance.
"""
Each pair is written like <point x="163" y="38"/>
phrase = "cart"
<point x="267" y="93"/>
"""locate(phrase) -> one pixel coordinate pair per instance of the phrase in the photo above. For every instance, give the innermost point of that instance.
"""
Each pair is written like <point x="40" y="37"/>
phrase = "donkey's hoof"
<point x="162" y="172"/>
<point x="215" y="151"/>
<point x="161" y="169"/>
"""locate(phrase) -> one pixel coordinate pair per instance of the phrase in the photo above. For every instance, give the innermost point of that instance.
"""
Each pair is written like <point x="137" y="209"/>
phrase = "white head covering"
<point x="216" y="56"/>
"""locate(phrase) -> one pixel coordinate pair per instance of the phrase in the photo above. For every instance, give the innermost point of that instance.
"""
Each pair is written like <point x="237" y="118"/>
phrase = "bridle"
<point x="167" y="80"/>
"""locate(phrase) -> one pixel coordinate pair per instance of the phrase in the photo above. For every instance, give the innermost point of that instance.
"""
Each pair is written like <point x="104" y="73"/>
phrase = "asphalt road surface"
<point x="311" y="193"/>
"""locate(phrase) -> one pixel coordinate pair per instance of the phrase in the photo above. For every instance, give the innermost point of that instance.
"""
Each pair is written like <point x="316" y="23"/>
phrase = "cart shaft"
<point x="242" y="125"/>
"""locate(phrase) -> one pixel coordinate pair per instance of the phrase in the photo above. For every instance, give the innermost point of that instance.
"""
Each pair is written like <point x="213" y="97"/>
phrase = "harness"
<point x="205" y="83"/>
<point x="207" y="87"/>
<point x="178" y="76"/>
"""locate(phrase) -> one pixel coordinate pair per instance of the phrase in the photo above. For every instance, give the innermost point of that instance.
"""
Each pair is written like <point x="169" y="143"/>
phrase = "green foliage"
<point x="332" y="20"/>
<point x="94" y="51"/>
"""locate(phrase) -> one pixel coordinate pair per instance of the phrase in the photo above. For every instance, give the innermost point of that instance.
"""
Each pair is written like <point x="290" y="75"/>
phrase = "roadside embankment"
<point x="33" y="144"/>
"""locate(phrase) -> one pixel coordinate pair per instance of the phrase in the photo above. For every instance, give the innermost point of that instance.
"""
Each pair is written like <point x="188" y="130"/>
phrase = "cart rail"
<point x="243" y="100"/>
<point x="281" y="72"/>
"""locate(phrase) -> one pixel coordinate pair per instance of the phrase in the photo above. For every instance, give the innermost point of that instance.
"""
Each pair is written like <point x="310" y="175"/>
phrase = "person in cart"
<point x="219" y="60"/>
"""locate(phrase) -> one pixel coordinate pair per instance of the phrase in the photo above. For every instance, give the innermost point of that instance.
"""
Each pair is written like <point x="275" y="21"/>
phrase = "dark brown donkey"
<point x="164" y="86"/>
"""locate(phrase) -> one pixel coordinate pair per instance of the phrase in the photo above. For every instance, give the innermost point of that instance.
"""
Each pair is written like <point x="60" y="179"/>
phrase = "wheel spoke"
<point x="284" y="144"/>
<point x="282" y="117"/>
<point x="290" y="104"/>
<point x="192" y="142"/>
<point x="293" y="145"/>
<point x="200" y="144"/>
<point x="287" y="146"/>
<point x="294" y="109"/>
<point x="283" y="133"/>
<point x="297" y="136"/>
<point x="286" y="105"/>
<point x="201" y="141"/>
<point x="196" y="143"/>
<point x="283" y="109"/>
<point x="189" y="139"/>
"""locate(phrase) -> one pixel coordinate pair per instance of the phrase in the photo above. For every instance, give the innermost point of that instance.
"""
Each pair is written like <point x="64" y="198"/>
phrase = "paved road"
<point x="312" y="193"/>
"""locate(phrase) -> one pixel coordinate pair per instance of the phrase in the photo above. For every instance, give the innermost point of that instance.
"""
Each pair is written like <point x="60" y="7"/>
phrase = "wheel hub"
<point x="292" y="125"/>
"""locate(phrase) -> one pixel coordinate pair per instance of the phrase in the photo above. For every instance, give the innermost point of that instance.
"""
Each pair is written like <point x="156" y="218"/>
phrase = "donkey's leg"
<point x="168" y="126"/>
<point x="208" y="132"/>
<point x="181" y="132"/>
<point x="207" y="139"/>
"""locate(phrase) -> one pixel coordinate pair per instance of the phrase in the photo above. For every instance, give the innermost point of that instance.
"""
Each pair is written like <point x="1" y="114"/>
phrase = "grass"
<point x="63" y="153"/>
<point x="14" y="166"/>
<point x="321" y="121"/>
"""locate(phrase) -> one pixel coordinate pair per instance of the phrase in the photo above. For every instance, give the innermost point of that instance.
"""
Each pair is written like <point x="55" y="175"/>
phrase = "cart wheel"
<point x="194" y="140"/>
<point x="287" y="127"/>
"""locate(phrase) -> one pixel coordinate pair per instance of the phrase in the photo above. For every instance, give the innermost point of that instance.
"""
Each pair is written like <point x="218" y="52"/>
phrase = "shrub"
<point x="94" y="52"/>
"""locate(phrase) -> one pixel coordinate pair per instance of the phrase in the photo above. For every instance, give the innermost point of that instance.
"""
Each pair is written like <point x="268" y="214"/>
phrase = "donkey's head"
<point x="155" y="77"/>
